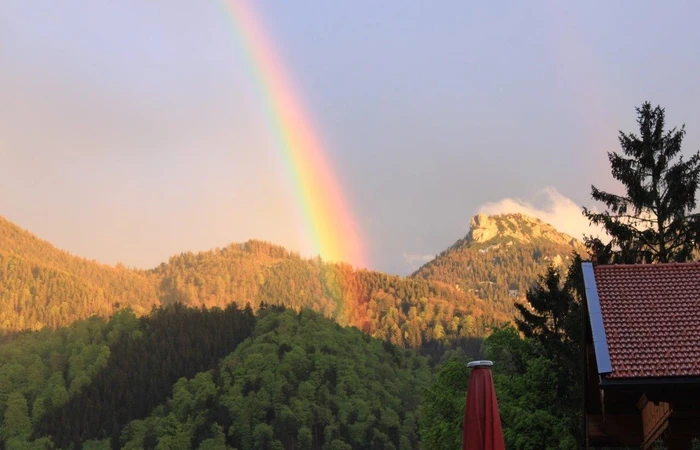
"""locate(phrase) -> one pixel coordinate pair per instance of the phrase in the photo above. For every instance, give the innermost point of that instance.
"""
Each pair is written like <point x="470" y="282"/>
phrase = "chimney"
<point x="594" y="259"/>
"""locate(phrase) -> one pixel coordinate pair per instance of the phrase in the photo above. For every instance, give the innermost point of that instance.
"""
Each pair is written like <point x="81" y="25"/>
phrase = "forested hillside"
<point x="500" y="258"/>
<point x="90" y="379"/>
<point x="301" y="382"/>
<point x="298" y="380"/>
<point x="406" y="311"/>
<point x="164" y="380"/>
<point x="459" y="296"/>
<point x="42" y="286"/>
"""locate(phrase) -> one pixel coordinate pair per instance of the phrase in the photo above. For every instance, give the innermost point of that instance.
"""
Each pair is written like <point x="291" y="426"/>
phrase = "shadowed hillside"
<point x="210" y="379"/>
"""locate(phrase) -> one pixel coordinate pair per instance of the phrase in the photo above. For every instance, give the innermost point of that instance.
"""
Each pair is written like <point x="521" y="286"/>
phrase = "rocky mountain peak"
<point x="516" y="226"/>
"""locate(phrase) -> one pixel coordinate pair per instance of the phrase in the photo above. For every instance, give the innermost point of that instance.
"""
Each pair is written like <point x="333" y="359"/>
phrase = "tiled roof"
<point x="651" y="317"/>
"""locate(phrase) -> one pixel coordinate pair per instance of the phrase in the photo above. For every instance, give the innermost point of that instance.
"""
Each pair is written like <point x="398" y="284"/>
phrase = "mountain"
<point x="462" y="293"/>
<point x="163" y="374"/>
<point x="500" y="257"/>
<point x="43" y="286"/>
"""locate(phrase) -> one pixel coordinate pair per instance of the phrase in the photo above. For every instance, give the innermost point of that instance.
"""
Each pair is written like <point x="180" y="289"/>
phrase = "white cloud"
<point x="415" y="260"/>
<point x="550" y="206"/>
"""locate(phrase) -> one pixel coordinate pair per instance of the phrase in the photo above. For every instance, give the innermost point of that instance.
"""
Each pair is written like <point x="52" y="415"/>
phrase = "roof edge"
<point x="638" y="381"/>
<point x="595" y="315"/>
<point x="648" y="265"/>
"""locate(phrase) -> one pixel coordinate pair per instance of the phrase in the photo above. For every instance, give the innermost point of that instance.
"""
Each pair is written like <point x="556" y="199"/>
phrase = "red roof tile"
<point x="651" y="316"/>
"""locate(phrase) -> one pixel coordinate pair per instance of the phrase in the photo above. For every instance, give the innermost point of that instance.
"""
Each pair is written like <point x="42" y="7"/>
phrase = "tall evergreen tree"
<point x="653" y="220"/>
<point x="552" y="316"/>
<point x="551" y="312"/>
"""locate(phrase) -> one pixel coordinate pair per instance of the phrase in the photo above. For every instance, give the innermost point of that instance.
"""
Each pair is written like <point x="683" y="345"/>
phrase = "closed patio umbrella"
<point x="482" y="424"/>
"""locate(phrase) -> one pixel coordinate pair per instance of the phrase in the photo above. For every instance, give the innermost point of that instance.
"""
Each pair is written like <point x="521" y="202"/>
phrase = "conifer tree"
<point x="552" y="316"/>
<point x="551" y="313"/>
<point x="653" y="221"/>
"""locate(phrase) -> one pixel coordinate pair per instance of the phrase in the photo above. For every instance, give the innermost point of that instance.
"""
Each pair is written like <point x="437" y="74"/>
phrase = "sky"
<point x="131" y="131"/>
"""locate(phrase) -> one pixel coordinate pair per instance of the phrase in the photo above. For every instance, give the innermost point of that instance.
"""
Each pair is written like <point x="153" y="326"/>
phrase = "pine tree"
<point x="552" y="316"/>
<point x="653" y="220"/>
<point x="552" y="310"/>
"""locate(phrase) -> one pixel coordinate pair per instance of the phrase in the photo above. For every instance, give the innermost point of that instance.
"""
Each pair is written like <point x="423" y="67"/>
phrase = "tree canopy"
<point x="527" y="386"/>
<point x="301" y="382"/>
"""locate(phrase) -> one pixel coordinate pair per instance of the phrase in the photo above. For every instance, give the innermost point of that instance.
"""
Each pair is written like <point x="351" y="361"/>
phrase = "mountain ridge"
<point x="38" y="280"/>
<point x="42" y="286"/>
<point x="462" y="293"/>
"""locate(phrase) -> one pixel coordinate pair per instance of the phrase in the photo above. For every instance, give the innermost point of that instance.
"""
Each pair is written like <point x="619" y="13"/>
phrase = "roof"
<point x="645" y="319"/>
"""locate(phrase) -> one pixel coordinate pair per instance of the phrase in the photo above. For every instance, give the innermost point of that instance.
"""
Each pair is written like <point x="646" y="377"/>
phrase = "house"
<point x="642" y="354"/>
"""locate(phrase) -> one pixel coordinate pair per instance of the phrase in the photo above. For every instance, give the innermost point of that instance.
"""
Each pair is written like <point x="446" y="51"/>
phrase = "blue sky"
<point x="130" y="130"/>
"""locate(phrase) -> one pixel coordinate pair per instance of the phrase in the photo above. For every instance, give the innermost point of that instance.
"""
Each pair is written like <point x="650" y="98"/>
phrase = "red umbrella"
<point x="482" y="424"/>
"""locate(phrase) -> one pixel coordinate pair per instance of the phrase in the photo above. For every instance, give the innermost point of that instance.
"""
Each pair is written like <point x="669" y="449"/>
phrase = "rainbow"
<point x="327" y="220"/>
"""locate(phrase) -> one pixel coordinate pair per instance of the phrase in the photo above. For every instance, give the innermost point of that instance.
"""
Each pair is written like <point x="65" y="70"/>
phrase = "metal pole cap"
<point x="482" y="363"/>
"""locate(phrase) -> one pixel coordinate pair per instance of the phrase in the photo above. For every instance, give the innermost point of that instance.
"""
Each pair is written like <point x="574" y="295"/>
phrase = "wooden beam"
<point x="654" y="419"/>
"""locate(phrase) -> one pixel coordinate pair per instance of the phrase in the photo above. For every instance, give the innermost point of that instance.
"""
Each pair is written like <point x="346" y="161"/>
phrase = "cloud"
<point x="415" y="260"/>
<point x="550" y="206"/>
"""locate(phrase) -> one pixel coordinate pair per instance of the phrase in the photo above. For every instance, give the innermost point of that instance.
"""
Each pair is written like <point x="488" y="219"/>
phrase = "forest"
<point x="253" y="347"/>
<point x="184" y="377"/>
<point x="460" y="295"/>
<point x="43" y="287"/>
